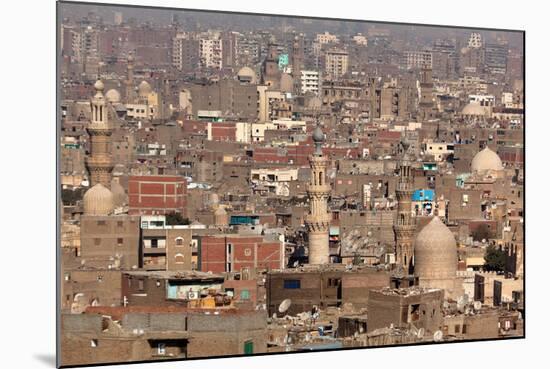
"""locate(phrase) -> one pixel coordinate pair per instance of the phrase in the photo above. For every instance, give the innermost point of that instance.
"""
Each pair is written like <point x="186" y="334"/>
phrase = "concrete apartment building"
<point x="336" y="63"/>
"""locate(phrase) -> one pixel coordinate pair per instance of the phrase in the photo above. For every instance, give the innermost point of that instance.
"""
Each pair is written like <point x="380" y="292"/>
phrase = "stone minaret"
<point x="99" y="162"/>
<point x="426" y="105"/>
<point x="405" y="223"/>
<point x="129" y="83"/>
<point x="318" y="190"/>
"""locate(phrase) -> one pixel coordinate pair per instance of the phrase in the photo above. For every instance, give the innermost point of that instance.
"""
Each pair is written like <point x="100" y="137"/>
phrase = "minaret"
<point x="318" y="190"/>
<point x="426" y="104"/>
<point x="129" y="83"/>
<point x="405" y="224"/>
<point x="99" y="162"/>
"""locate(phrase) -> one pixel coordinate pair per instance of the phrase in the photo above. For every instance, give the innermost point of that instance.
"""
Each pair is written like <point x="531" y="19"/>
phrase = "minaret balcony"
<point x="318" y="189"/>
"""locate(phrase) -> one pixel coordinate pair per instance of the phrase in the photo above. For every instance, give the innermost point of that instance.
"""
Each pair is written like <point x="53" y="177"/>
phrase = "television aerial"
<point x="284" y="305"/>
<point x="438" y="336"/>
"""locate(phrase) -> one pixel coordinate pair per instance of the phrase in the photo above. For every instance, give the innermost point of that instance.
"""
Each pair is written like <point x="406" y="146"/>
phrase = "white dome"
<point x="113" y="96"/>
<point x="435" y="252"/>
<point x="473" y="109"/>
<point x="486" y="160"/>
<point x="144" y="88"/>
<point x="246" y="74"/>
<point x="98" y="200"/>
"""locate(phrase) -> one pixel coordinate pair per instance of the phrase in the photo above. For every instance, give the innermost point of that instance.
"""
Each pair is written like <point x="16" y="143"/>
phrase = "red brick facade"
<point x="246" y="251"/>
<point x="150" y="195"/>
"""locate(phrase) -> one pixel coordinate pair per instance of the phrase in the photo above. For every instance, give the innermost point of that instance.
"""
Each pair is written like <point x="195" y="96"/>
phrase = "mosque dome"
<point x="113" y="96"/>
<point x="247" y="74"/>
<point x="220" y="216"/>
<point x="286" y="83"/>
<point x="144" y="88"/>
<point x="435" y="253"/>
<point x="486" y="160"/>
<point x="119" y="195"/>
<point x="98" y="200"/>
<point x="473" y="109"/>
<point x="98" y="85"/>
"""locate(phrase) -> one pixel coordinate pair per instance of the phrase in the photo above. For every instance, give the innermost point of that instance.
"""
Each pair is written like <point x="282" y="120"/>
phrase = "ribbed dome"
<point x="220" y="216"/>
<point x="473" y="109"/>
<point x="246" y="74"/>
<point x="286" y="83"/>
<point x="119" y="195"/>
<point x="113" y="96"/>
<point x="98" y="200"/>
<point x="486" y="160"/>
<point x="144" y="88"/>
<point x="220" y="211"/>
<point x="435" y="252"/>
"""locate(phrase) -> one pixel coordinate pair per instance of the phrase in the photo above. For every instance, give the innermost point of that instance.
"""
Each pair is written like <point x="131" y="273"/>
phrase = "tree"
<point x="495" y="259"/>
<point x="481" y="233"/>
<point x="176" y="219"/>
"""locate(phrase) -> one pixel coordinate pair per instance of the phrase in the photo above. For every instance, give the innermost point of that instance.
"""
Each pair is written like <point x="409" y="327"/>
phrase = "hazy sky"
<point x="239" y="22"/>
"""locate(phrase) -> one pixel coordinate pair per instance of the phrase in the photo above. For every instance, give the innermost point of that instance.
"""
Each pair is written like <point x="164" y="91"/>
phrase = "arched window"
<point x="320" y="178"/>
<point x="179" y="241"/>
<point x="179" y="258"/>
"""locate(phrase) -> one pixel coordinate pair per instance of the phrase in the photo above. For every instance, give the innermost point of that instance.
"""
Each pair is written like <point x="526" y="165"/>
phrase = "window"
<point x="291" y="284"/>
<point x="247" y="251"/>
<point x="179" y="241"/>
<point x="140" y="284"/>
<point x="97" y="241"/>
<point x="119" y="241"/>
<point x="179" y="259"/>
<point x="119" y="224"/>
<point x="457" y="328"/>
<point x="101" y="223"/>
<point x="248" y="348"/>
<point x="161" y="349"/>
<point x="245" y="295"/>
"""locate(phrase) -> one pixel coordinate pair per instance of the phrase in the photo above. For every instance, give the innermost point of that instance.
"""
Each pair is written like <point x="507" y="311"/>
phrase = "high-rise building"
<point x="336" y="62"/>
<point x="185" y="53"/>
<point x="211" y="51"/>
<point x="309" y="81"/>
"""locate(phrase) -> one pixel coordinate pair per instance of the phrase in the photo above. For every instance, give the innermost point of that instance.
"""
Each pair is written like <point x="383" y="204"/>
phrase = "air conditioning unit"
<point x="192" y="295"/>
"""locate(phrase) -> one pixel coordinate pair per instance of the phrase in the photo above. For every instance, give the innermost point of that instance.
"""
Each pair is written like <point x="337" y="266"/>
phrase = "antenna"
<point x="284" y="305"/>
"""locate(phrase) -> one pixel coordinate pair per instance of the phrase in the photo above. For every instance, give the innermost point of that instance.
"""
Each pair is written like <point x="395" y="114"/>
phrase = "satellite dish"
<point x="477" y="305"/>
<point x="420" y="333"/>
<point x="438" y="336"/>
<point x="284" y="305"/>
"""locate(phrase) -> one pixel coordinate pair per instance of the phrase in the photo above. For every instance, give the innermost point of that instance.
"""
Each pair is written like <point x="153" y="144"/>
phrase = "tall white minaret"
<point x="318" y="190"/>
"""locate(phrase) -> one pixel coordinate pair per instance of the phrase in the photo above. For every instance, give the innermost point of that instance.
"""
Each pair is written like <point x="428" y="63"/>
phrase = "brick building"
<point x="228" y="253"/>
<point x="157" y="195"/>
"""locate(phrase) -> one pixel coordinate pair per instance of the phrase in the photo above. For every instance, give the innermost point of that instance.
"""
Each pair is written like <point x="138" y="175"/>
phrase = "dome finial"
<point x="99" y="85"/>
<point x="318" y="138"/>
